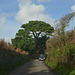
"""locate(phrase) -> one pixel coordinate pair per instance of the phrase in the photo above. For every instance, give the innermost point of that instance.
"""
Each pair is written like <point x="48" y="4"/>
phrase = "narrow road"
<point x="34" y="67"/>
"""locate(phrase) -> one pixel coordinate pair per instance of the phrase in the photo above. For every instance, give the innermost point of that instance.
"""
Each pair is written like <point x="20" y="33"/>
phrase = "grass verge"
<point x="62" y="69"/>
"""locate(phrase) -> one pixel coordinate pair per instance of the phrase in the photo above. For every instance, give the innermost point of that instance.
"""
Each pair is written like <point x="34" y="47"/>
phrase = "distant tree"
<point x="36" y="28"/>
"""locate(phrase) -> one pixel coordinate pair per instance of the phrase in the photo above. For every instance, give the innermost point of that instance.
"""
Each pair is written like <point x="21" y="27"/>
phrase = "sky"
<point x="14" y="13"/>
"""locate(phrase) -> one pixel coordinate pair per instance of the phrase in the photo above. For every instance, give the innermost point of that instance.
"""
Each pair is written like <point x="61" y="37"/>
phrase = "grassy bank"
<point x="61" y="69"/>
<point x="61" y="53"/>
<point x="11" y="58"/>
<point x="62" y="60"/>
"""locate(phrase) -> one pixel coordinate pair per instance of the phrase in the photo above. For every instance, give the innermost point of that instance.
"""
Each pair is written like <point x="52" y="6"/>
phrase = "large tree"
<point x="42" y="44"/>
<point x="36" y="28"/>
<point x="32" y="37"/>
<point x="23" y="41"/>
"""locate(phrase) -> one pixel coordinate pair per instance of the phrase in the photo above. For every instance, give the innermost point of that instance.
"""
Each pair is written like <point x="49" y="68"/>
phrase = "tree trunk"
<point x="36" y="36"/>
<point x="36" y="47"/>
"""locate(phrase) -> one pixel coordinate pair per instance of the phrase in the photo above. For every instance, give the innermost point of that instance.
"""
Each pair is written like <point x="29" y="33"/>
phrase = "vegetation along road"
<point x="34" y="67"/>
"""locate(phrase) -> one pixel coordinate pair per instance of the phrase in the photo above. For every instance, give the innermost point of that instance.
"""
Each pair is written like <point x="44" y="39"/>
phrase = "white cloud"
<point x="73" y="8"/>
<point x="29" y="11"/>
<point x="2" y="21"/>
<point x="3" y="18"/>
<point x="44" y="0"/>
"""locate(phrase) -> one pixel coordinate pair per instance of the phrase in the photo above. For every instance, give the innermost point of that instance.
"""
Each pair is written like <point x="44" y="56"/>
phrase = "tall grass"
<point x="62" y="57"/>
<point x="10" y="57"/>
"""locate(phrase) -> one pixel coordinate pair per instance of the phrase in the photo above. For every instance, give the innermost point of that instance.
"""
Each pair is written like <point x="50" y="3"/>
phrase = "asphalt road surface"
<point x="35" y="67"/>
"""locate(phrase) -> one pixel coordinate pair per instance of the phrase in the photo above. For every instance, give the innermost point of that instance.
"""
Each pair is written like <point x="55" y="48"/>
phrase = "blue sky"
<point x="14" y="13"/>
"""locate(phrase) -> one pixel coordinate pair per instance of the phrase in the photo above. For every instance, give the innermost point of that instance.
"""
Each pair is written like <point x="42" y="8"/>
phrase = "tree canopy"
<point x="31" y="34"/>
<point x="37" y="27"/>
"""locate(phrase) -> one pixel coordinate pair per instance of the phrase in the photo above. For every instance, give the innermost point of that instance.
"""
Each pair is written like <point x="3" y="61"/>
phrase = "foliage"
<point x="65" y="70"/>
<point x="11" y="58"/>
<point x="24" y="41"/>
<point x="57" y="61"/>
<point x="69" y="49"/>
<point x="61" y="56"/>
<point x="61" y="48"/>
<point x="28" y="38"/>
<point x="42" y="44"/>
<point x="37" y="27"/>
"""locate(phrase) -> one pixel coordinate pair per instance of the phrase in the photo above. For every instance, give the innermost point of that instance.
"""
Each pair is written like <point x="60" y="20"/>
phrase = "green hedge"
<point x="10" y="59"/>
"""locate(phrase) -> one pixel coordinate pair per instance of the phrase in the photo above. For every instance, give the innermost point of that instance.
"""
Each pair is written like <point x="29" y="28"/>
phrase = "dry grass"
<point x="3" y="45"/>
<point x="23" y="52"/>
<point x="10" y="47"/>
<point x="18" y="50"/>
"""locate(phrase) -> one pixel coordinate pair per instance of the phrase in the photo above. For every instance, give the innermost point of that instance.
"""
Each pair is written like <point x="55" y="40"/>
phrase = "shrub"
<point x="3" y="45"/>
<point x="10" y="47"/>
<point x="18" y="50"/>
<point x="70" y="53"/>
<point x="11" y="58"/>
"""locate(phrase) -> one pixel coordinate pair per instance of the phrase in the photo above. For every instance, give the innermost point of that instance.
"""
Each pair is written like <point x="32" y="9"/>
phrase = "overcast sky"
<point x="14" y="13"/>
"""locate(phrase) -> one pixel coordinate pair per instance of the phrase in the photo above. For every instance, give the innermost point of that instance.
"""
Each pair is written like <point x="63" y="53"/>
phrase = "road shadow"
<point x="31" y="69"/>
<point x="43" y="72"/>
